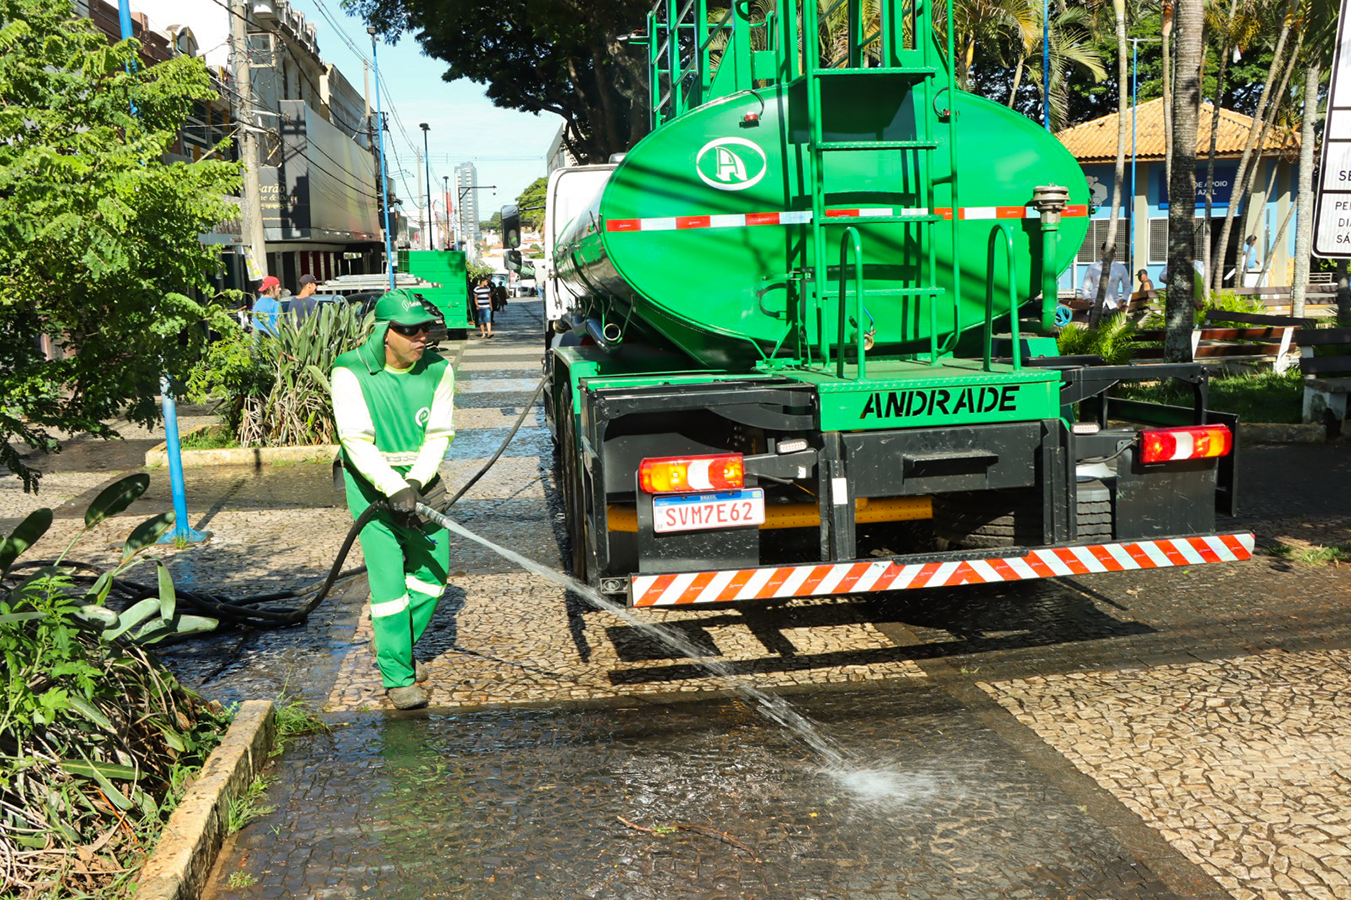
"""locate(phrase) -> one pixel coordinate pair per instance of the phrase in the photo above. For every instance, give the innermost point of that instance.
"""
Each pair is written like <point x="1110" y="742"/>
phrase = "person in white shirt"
<point x="1118" y="285"/>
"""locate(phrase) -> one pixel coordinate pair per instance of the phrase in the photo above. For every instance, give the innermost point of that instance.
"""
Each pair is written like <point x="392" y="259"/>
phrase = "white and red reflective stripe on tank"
<point x="803" y="217"/>
<point x="884" y="575"/>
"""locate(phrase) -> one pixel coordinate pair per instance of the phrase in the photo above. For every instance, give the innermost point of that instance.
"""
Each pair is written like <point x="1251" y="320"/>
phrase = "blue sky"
<point x="506" y="146"/>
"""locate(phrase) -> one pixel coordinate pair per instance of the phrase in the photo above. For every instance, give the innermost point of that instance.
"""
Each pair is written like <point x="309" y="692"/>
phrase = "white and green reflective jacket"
<point x="393" y="424"/>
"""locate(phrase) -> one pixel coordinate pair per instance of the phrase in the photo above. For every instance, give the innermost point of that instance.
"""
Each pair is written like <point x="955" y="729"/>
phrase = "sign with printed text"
<point x="1332" y="209"/>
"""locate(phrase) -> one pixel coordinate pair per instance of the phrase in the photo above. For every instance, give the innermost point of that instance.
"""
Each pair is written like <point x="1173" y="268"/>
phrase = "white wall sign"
<point x="1332" y="210"/>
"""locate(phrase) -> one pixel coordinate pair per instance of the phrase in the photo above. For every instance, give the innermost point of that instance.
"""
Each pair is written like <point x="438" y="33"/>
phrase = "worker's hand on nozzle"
<point x="404" y="502"/>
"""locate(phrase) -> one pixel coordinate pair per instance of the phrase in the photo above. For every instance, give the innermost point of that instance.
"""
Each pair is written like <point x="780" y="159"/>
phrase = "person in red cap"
<point x="267" y="307"/>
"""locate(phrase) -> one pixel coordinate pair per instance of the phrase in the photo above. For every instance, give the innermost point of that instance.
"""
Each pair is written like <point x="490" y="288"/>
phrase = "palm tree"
<point x="1236" y="30"/>
<point x="1166" y="38"/>
<point x="1241" y="178"/>
<point x="1318" y="16"/>
<point x="1187" y="22"/>
<point x="1119" y="175"/>
<point x="1071" y="45"/>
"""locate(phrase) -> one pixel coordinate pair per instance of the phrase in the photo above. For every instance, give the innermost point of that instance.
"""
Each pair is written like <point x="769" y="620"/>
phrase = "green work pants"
<point x="407" y="570"/>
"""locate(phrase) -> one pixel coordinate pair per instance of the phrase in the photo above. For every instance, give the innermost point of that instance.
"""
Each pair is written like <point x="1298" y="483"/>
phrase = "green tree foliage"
<point x="274" y="388"/>
<point x="561" y="57"/>
<point x="531" y="203"/>
<point x="492" y="224"/>
<point x="98" y="235"/>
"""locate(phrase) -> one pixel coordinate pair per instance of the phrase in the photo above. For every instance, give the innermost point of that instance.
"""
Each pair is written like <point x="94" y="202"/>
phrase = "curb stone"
<point x="243" y="456"/>
<point x="181" y="863"/>
<point x="1276" y="433"/>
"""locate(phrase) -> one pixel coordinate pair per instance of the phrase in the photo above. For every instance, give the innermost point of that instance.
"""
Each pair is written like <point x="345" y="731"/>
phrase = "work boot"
<point x="410" y="697"/>
<point x="420" y="673"/>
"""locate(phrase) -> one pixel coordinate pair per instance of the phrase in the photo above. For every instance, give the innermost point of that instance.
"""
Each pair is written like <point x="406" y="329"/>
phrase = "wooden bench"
<point x="1232" y="339"/>
<point x="1138" y="307"/>
<point x="1320" y="298"/>
<point x="1327" y="379"/>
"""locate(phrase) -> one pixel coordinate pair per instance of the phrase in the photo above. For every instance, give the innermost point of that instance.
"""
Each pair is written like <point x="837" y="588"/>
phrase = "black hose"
<point x="245" y="611"/>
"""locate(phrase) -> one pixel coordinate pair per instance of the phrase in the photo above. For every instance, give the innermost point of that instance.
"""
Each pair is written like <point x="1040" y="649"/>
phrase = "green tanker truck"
<point x="800" y="334"/>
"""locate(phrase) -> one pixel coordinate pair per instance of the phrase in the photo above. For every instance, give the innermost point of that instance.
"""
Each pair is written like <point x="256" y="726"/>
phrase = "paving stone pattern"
<point x="1173" y="732"/>
<point x="1242" y="764"/>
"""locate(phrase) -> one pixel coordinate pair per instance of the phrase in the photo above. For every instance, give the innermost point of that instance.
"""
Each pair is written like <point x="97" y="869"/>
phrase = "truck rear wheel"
<point x="988" y="520"/>
<point x="574" y="505"/>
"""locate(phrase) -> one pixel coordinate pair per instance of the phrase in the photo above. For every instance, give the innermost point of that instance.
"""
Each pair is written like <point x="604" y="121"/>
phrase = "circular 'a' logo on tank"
<point x="731" y="164"/>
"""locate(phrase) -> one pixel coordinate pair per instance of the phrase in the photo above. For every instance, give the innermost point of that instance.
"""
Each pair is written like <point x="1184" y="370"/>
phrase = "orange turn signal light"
<point x="680" y="474"/>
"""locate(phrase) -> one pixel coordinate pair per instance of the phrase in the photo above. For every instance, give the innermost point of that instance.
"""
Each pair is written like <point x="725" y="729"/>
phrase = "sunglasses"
<point x="410" y="330"/>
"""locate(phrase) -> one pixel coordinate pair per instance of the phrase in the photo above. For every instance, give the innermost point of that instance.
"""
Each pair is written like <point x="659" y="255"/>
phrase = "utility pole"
<point x="421" y="215"/>
<point x="445" y="200"/>
<point x="251" y="210"/>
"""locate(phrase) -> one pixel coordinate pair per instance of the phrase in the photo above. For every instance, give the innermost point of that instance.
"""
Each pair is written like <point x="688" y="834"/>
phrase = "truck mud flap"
<point x="948" y="570"/>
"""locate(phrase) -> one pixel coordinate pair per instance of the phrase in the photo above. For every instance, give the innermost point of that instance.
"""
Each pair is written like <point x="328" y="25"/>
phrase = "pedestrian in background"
<point x="267" y="307"/>
<point x="1118" y="285"/>
<point x="393" y="400"/>
<point x="302" y="305"/>
<point x="483" y="307"/>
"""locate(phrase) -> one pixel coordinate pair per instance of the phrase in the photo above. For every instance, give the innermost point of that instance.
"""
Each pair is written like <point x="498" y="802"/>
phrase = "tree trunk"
<point x="1182" y="186"/>
<point x="1226" y="49"/>
<point x="1304" y="226"/>
<point x="1250" y="142"/>
<point x="1166" y="35"/>
<point x="1119" y="176"/>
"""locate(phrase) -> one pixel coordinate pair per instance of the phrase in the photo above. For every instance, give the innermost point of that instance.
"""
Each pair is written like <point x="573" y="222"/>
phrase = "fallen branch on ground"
<point x="702" y="829"/>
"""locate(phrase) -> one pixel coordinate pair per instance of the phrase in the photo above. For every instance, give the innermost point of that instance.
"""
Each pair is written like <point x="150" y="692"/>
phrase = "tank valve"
<point x="1049" y="200"/>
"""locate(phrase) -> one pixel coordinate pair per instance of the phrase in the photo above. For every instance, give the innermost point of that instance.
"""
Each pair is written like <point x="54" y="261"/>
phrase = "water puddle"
<point x="866" y="784"/>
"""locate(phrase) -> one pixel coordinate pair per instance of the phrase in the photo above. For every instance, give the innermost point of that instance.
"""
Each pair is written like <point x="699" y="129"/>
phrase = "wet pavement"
<point x="1153" y="734"/>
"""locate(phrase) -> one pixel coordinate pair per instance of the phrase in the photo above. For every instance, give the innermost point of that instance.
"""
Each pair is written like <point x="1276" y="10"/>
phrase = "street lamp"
<point x="473" y="187"/>
<point x="384" y="178"/>
<point x="428" y="160"/>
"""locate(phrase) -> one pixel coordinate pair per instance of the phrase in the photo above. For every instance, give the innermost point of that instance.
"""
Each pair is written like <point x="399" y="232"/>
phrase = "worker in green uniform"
<point x="392" y="401"/>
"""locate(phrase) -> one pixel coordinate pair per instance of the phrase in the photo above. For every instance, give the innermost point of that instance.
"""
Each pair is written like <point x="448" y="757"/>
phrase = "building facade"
<point x="1142" y="229"/>
<point x="465" y="204"/>
<point x="317" y="166"/>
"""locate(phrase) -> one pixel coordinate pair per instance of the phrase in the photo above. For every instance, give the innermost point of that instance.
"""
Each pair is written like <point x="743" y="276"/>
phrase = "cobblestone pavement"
<point x="1155" y="734"/>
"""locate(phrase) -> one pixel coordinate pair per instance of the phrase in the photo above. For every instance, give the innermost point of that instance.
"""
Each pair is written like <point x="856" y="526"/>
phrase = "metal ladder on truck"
<point x="912" y="68"/>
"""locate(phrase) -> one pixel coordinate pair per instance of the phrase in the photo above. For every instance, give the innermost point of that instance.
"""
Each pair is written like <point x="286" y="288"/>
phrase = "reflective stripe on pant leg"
<point x="428" y="567"/>
<point x="391" y="621"/>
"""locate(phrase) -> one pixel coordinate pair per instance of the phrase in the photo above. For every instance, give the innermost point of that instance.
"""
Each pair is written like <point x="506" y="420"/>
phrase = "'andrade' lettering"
<point x="941" y="402"/>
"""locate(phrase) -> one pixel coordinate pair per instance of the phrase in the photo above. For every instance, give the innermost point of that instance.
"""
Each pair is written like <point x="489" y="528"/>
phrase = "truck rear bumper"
<point x="939" y="570"/>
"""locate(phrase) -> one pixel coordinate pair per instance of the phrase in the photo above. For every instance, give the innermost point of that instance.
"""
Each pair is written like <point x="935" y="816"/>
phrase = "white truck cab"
<point x="569" y="192"/>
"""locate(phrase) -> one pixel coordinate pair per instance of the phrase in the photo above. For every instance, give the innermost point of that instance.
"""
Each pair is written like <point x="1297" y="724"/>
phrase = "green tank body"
<point x="701" y="238"/>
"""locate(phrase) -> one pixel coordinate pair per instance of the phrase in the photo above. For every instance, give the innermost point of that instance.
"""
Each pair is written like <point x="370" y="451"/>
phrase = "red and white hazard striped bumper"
<point x="778" y="582"/>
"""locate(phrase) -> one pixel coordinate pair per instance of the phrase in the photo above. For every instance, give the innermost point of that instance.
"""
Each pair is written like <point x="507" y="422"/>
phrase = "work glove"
<point x="403" y="505"/>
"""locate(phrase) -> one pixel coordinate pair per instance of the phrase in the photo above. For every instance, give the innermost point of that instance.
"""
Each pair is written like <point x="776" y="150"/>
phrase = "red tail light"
<point x="715" y="472"/>
<point x="1191" y="442"/>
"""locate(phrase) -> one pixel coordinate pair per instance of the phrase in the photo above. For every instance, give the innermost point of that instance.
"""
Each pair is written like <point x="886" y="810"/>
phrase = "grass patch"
<point x="1313" y="554"/>
<point x="241" y="879"/>
<point x="1255" y="396"/>
<point x="249" y="805"/>
<point x="295" y="720"/>
<point x="212" y="437"/>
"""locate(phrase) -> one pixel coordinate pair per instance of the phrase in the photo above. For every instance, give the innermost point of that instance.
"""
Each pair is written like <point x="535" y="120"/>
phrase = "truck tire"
<point x="989" y="520"/>
<point x="574" y="505"/>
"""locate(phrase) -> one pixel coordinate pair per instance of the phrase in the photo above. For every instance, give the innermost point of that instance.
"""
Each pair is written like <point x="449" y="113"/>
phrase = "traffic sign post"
<point x="1332" y="209"/>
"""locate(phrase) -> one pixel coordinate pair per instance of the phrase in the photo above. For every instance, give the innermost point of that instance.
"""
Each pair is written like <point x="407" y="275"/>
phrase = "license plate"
<point x="702" y="512"/>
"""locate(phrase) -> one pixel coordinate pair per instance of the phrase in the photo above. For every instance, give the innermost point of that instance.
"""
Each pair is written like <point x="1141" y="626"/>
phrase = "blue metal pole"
<point x="384" y="178"/>
<point x="1135" y="102"/>
<point x="1046" y="63"/>
<point x="182" y="531"/>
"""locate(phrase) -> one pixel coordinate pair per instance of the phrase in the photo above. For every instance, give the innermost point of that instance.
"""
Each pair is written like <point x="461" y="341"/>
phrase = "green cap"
<point x="403" y="307"/>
